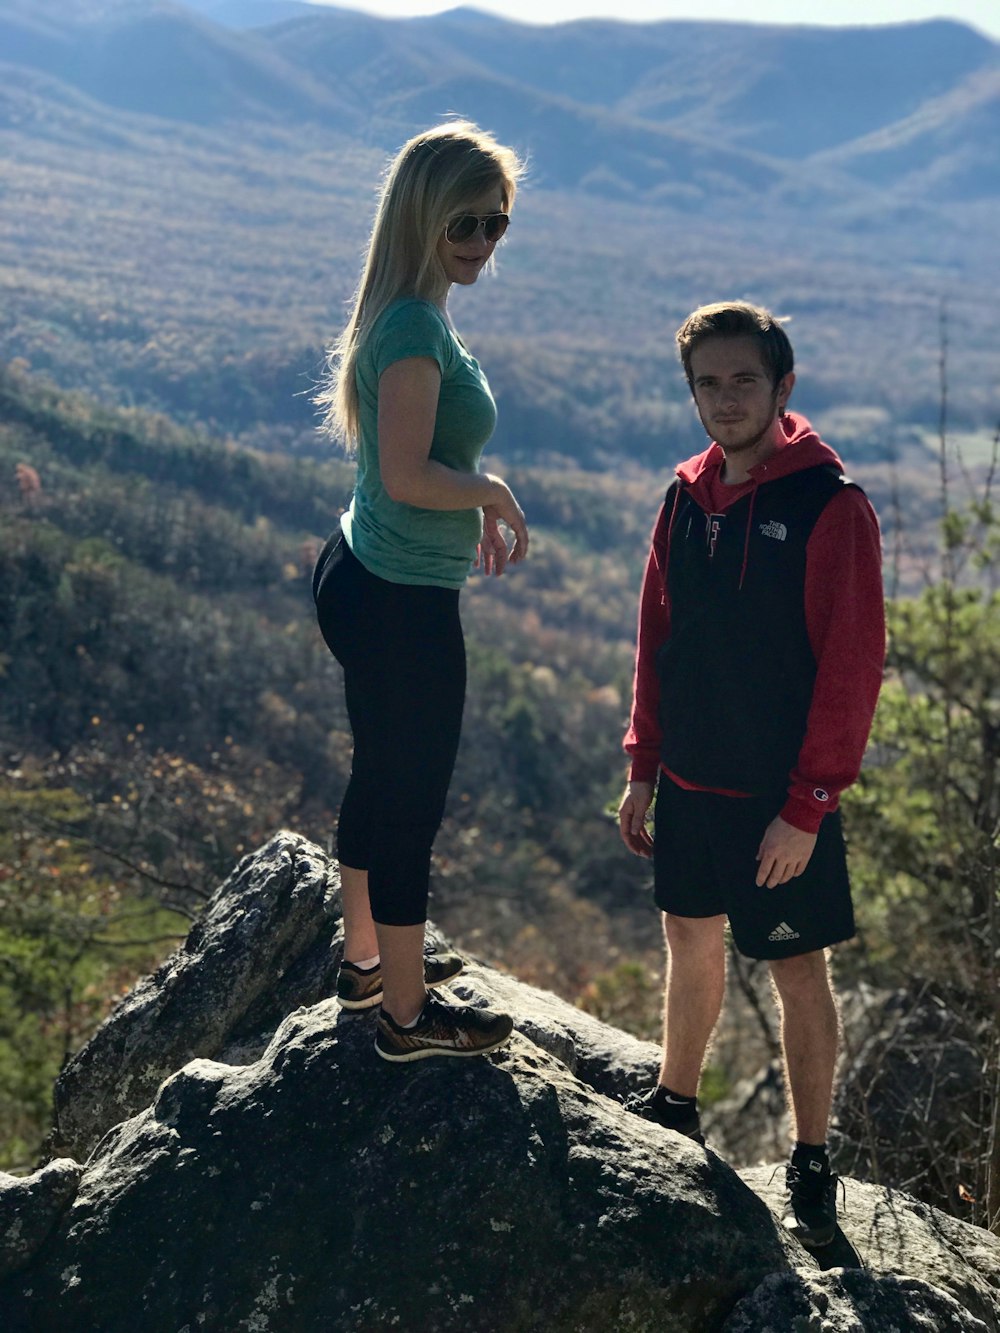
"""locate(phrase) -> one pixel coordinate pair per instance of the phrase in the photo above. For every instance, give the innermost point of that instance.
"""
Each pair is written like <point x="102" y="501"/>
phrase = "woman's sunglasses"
<point x="465" y="226"/>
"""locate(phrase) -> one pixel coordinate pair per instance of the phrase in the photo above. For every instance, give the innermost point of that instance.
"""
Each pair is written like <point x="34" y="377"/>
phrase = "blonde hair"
<point x="433" y="176"/>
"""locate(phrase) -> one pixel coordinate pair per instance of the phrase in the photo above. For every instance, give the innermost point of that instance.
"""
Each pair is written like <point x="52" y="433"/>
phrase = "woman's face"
<point x="463" y="262"/>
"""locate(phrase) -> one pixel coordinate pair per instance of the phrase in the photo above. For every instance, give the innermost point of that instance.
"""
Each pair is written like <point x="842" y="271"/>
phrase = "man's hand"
<point x="784" y="852"/>
<point x="636" y="801"/>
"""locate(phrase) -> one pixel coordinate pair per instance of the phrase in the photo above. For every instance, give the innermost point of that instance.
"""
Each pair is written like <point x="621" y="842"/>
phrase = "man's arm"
<point x="845" y="618"/>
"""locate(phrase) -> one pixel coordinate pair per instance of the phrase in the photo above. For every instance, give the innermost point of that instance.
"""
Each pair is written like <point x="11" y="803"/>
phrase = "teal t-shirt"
<point x="399" y="542"/>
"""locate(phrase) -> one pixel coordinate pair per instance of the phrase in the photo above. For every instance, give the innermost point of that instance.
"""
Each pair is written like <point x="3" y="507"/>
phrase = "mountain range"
<point x="192" y="184"/>
<point x="616" y="108"/>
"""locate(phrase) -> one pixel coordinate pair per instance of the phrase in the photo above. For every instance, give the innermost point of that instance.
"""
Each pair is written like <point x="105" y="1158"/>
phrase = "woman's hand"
<point x="491" y="553"/>
<point x="503" y="508"/>
<point x="636" y="801"/>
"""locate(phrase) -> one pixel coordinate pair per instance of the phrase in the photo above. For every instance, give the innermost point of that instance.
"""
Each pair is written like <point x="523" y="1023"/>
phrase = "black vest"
<point x="737" y="670"/>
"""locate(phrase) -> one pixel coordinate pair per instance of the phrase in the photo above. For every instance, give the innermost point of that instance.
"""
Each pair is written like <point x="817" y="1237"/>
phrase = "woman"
<point x="405" y="392"/>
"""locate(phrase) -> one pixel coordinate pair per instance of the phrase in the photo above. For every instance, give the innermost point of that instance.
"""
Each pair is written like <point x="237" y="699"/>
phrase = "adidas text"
<point x="783" y="931"/>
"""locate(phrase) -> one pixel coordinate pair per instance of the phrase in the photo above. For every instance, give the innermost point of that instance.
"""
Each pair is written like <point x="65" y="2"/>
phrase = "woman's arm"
<point x="407" y="405"/>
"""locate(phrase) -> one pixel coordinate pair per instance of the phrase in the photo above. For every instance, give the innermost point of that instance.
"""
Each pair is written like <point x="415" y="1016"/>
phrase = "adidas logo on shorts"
<point x="783" y="931"/>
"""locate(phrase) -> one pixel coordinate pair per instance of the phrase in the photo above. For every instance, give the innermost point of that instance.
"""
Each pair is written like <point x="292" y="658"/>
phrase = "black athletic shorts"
<point x="705" y="864"/>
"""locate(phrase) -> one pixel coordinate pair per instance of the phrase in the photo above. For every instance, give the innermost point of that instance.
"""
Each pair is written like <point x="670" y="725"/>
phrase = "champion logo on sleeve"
<point x="819" y="794"/>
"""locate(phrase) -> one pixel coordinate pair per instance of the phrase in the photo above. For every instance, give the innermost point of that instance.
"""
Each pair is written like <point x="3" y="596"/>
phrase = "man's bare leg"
<point x="695" y="985"/>
<point x="809" y="1034"/>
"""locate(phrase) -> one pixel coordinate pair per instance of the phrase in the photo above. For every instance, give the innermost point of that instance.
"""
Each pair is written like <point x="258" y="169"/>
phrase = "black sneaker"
<point x="646" y="1105"/>
<point x="359" y="989"/>
<point x="810" y="1213"/>
<point x="442" y="1029"/>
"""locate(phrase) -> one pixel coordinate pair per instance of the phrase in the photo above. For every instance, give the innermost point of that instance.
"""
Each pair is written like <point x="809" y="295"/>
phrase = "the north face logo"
<point x="774" y="529"/>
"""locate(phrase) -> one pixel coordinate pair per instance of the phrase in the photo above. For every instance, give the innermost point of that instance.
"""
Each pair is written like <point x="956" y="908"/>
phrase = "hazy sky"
<point x="983" y="14"/>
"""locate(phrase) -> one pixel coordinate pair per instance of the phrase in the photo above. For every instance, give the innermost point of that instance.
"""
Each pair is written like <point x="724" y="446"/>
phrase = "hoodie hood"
<point x="800" y="448"/>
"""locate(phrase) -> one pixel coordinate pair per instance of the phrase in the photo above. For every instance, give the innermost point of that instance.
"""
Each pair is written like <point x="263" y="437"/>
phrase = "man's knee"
<point x="687" y="933"/>
<point x="806" y="973"/>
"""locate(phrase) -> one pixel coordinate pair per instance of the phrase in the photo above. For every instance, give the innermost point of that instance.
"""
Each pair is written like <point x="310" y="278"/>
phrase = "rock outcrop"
<point x="251" y="954"/>
<point x="29" y="1209"/>
<point x="282" y="1179"/>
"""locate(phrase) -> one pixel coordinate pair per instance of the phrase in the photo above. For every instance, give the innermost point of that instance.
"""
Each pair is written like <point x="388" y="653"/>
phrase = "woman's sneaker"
<point x="359" y="988"/>
<point x="442" y="1029"/>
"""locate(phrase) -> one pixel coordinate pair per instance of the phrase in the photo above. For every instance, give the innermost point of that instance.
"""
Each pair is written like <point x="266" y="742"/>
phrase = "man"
<point x="759" y="660"/>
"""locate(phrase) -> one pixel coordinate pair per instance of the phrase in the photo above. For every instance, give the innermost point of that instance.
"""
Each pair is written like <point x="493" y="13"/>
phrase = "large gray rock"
<point x="322" y="1189"/>
<point x="30" y="1206"/>
<point x="283" y="1179"/>
<point x="608" y="1060"/>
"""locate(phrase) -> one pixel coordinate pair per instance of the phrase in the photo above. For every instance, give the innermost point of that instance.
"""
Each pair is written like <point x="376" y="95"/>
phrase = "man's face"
<point x="736" y="401"/>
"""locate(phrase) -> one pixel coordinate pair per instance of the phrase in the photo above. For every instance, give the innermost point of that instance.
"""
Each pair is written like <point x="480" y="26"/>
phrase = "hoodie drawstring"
<point x="746" y="539"/>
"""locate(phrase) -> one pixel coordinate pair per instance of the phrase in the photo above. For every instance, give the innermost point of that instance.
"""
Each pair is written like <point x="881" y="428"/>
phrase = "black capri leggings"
<point x="403" y="654"/>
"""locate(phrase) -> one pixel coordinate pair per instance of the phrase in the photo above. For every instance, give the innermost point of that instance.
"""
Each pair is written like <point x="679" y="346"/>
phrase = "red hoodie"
<point x="845" y="621"/>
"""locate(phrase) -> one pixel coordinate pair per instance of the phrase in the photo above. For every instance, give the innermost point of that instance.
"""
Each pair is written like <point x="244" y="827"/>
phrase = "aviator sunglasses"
<point x="465" y="226"/>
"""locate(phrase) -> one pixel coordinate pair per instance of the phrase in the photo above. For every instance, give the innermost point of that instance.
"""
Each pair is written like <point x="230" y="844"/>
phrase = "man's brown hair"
<point x="737" y="319"/>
